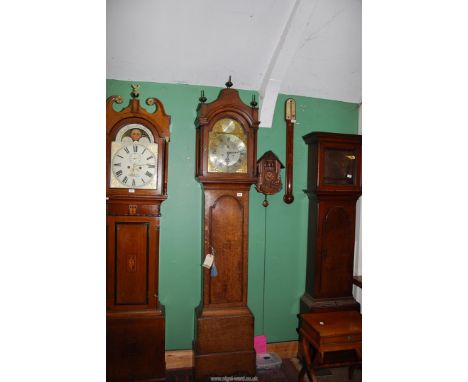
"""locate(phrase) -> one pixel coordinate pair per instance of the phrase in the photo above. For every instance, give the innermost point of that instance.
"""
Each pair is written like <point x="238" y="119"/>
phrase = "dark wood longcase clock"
<point x="137" y="154"/>
<point x="333" y="187"/>
<point x="226" y="168"/>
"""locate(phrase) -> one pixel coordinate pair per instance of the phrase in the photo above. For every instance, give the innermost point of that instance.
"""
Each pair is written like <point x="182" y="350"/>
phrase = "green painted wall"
<point x="277" y="234"/>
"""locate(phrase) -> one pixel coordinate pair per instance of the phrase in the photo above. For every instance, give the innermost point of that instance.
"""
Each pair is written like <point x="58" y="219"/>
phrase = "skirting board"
<point x="177" y="359"/>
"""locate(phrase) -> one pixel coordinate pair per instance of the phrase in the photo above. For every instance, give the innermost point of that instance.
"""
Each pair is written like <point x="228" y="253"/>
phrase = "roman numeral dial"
<point x="134" y="166"/>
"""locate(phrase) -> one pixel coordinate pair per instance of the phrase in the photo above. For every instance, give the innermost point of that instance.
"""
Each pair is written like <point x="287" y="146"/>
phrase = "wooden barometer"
<point x="137" y="154"/>
<point x="226" y="140"/>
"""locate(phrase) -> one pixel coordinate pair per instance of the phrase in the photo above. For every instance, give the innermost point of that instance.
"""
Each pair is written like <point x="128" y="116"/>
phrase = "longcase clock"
<point x="137" y="154"/>
<point x="226" y="140"/>
<point x="333" y="187"/>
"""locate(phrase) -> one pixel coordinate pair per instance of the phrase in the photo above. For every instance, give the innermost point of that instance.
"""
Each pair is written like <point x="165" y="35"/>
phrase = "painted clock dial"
<point x="134" y="165"/>
<point x="134" y="158"/>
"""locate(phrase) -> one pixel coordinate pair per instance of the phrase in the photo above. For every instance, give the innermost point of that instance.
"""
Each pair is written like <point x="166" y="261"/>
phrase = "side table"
<point x="330" y="339"/>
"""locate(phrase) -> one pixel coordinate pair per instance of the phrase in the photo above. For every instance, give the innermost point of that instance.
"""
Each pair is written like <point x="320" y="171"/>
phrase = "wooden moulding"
<point x="310" y="304"/>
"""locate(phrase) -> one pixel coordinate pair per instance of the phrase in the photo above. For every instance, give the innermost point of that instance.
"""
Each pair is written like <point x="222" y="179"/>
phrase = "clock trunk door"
<point x="132" y="275"/>
<point x="335" y="249"/>
<point x="226" y="214"/>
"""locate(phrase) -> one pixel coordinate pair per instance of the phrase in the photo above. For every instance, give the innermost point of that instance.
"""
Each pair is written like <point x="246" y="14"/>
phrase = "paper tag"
<point x="131" y="190"/>
<point x="349" y="176"/>
<point x="208" y="261"/>
<point x="239" y="194"/>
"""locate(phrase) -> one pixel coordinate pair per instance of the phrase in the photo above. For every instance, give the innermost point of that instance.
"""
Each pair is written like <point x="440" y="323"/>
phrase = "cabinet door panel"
<point x="226" y="237"/>
<point x="336" y="251"/>
<point x="131" y="284"/>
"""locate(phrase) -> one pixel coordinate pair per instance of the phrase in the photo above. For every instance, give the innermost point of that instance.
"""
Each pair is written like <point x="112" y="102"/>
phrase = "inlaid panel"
<point x="226" y="237"/>
<point x="131" y="262"/>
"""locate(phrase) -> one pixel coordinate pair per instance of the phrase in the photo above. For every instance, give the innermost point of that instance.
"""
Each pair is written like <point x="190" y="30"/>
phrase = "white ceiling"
<point x="298" y="47"/>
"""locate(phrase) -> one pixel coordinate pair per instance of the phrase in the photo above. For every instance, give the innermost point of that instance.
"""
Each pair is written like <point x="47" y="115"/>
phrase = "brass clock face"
<point x="134" y="159"/>
<point x="227" y="148"/>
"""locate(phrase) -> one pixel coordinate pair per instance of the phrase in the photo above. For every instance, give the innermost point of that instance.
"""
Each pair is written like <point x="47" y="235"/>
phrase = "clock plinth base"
<point x="135" y="346"/>
<point x="239" y="363"/>
<point x="224" y="343"/>
<point x="311" y="304"/>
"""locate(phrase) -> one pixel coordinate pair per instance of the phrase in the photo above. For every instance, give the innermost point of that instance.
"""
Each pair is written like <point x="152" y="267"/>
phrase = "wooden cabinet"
<point x="137" y="144"/>
<point x="334" y="185"/>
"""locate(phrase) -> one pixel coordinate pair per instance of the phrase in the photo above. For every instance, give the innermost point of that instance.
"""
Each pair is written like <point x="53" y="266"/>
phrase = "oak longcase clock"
<point x="136" y="185"/>
<point x="226" y="147"/>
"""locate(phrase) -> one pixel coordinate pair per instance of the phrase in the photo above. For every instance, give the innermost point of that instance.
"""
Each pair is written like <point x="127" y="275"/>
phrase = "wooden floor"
<point x="288" y="372"/>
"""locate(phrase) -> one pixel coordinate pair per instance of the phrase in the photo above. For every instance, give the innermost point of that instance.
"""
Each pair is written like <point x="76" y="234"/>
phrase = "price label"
<point x="208" y="261"/>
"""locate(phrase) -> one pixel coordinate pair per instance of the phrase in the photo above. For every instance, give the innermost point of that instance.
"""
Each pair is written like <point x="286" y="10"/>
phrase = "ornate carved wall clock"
<point x="333" y="187"/>
<point x="226" y="146"/>
<point x="137" y="148"/>
<point x="269" y="175"/>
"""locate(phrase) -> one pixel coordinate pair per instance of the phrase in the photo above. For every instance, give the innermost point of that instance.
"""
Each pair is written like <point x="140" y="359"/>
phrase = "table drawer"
<point x="341" y="339"/>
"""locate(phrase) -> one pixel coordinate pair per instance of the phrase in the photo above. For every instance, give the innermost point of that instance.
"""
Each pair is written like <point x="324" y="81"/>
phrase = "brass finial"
<point x="136" y="91"/>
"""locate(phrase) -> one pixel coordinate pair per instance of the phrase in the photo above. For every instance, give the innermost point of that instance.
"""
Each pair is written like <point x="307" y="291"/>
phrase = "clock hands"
<point x="228" y="159"/>
<point x="227" y="153"/>
<point x="134" y="171"/>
